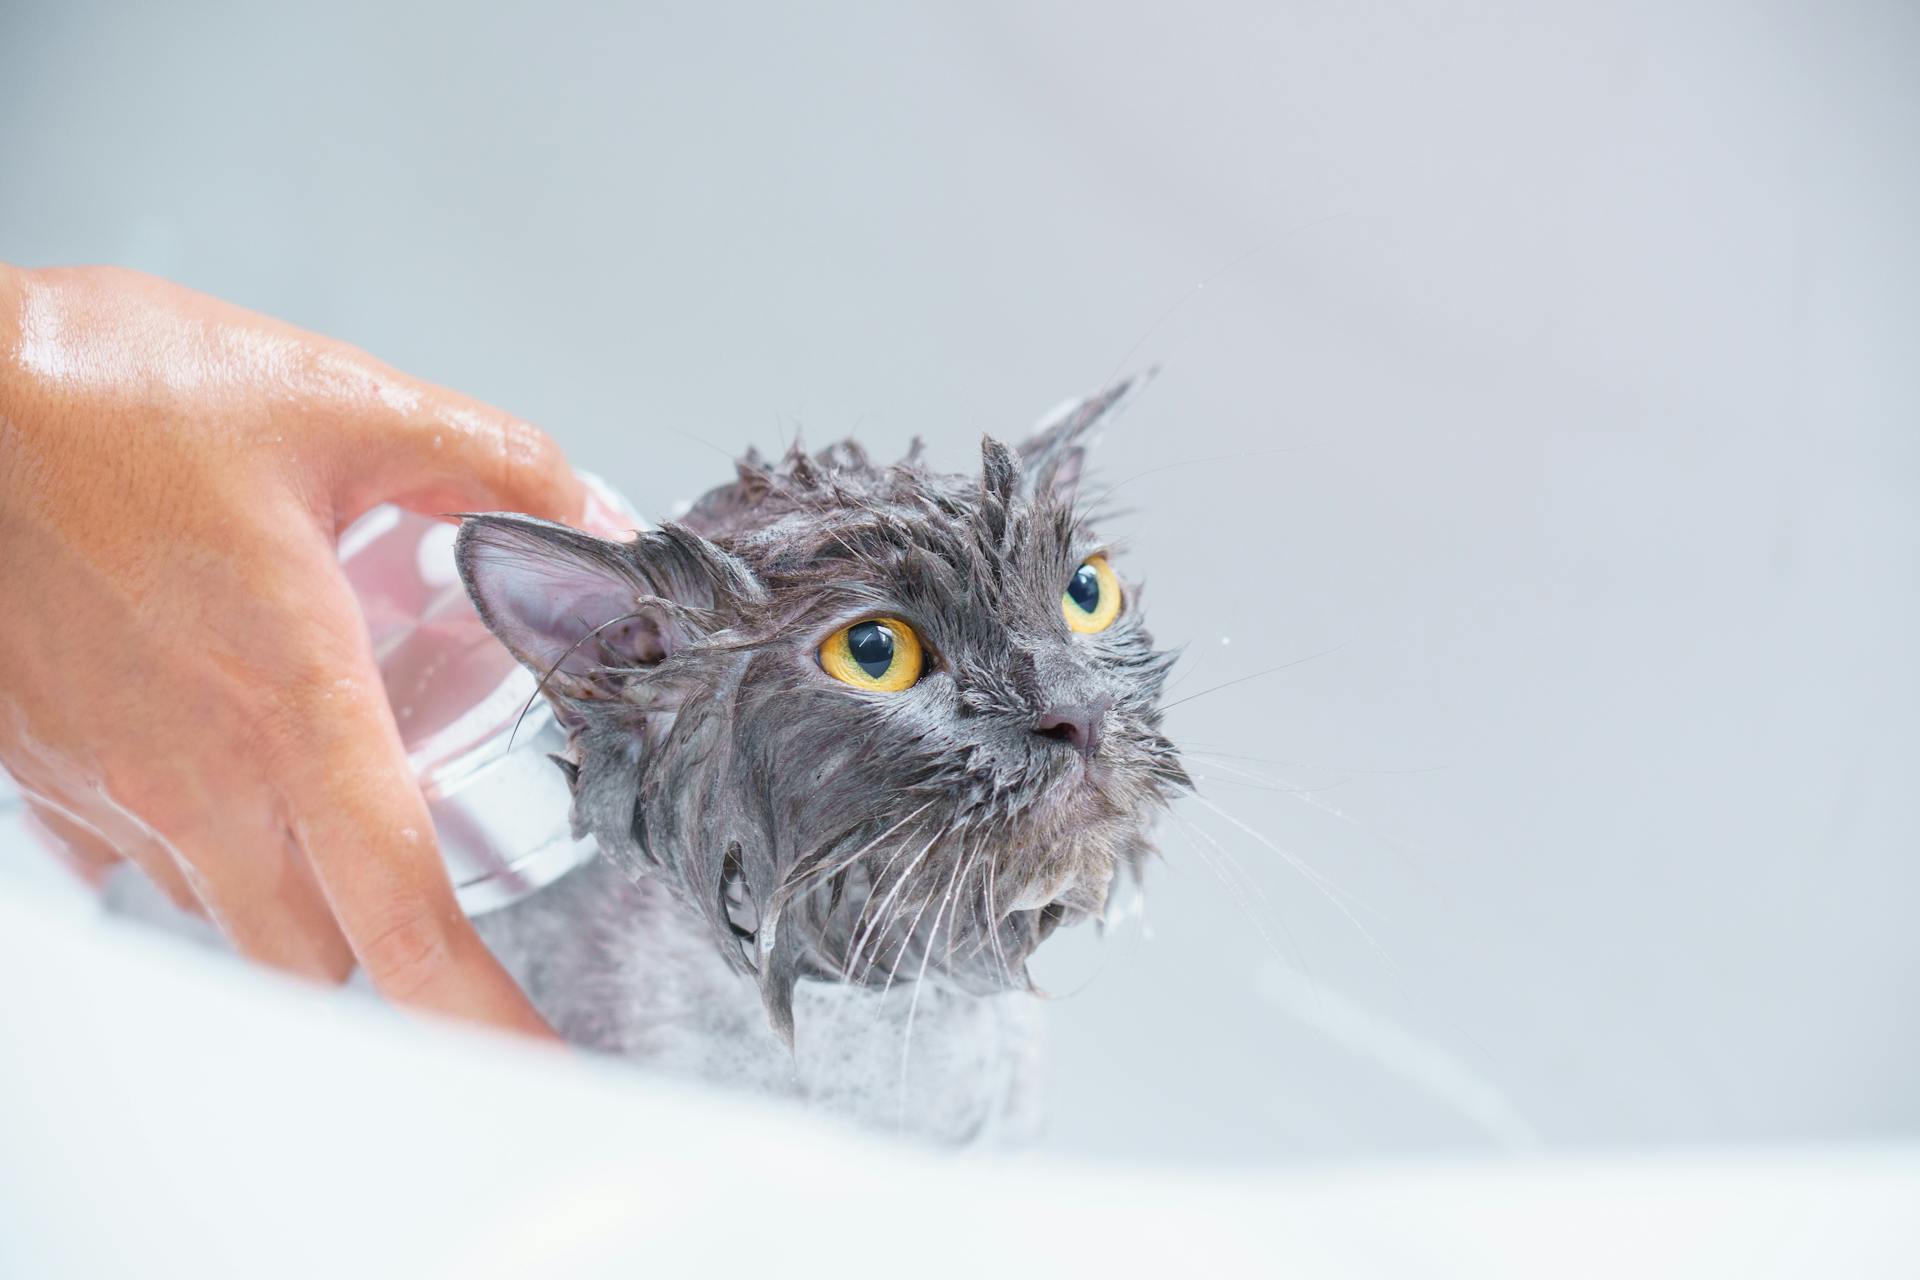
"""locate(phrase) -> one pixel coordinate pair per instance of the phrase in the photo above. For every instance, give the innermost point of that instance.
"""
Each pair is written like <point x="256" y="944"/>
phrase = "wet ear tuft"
<point x="1056" y="453"/>
<point x="999" y="472"/>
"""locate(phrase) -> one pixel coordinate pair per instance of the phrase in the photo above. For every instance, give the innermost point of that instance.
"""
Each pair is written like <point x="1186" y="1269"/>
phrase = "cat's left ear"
<point x="1057" y="451"/>
<point x="554" y="596"/>
<point x="583" y="613"/>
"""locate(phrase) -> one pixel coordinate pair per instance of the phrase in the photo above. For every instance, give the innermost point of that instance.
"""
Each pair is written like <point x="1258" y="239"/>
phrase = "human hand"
<point x="185" y="679"/>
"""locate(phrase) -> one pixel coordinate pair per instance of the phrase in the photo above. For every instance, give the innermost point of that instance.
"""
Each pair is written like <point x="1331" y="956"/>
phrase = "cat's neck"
<point x="625" y="968"/>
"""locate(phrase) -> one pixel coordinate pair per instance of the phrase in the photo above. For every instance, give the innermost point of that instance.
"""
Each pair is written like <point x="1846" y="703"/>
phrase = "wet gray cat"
<point x="852" y="739"/>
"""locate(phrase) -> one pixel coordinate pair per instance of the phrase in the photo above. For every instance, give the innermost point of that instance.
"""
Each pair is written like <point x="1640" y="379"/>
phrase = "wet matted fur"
<point x="808" y="829"/>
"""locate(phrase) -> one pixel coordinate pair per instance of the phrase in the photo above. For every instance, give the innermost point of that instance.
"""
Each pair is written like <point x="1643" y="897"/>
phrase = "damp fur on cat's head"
<point x="831" y="813"/>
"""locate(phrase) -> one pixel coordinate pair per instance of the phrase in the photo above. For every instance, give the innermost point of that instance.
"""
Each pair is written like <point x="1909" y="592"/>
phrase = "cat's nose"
<point x="1077" y="724"/>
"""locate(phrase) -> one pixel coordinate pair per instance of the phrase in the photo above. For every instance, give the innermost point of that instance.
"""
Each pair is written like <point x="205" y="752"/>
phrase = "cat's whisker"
<point x="1168" y="706"/>
<point x="1222" y="771"/>
<point x="1259" y="781"/>
<point x="1325" y="884"/>
<point x="1190" y="747"/>
<point x="953" y="922"/>
<point x="884" y="920"/>
<point x="993" y="920"/>
<point x="1334" y="894"/>
<point x="906" y="944"/>
<point x="1227" y="762"/>
<point x="1188" y="744"/>
<point x="1176" y="682"/>
<point x="541" y="686"/>
<point x="1401" y="853"/>
<point x="1239" y="894"/>
<point x="797" y="884"/>
<point x="920" y="979"/>
<point x="699" y="440"/>
<point x="902" y="944"/>
<point x="1310" y="796"/>
<point x="998" y="917"/>
<point x="984" y="910"/>
<point x="873" y="925"/>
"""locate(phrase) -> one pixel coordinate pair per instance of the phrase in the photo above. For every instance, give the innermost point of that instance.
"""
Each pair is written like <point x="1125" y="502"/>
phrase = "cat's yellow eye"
<point x="880" y="654"/>
<point x="1092" y="598"/>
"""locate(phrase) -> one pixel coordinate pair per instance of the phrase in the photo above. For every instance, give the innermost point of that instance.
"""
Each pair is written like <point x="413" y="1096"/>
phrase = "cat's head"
<point x="871" y="721"/>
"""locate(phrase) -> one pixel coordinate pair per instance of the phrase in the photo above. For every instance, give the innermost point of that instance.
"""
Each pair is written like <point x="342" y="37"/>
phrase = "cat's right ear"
<point x="1056" y="453"/>
<point x="565" y="603"/>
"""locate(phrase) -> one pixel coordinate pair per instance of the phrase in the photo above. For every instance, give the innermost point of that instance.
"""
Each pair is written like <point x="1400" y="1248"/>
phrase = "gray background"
<point x="1554" y="368"/>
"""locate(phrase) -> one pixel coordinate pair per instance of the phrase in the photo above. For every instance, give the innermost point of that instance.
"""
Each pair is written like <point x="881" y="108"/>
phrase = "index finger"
<point x="356" y="811"/>
<point x="436" y="451"/>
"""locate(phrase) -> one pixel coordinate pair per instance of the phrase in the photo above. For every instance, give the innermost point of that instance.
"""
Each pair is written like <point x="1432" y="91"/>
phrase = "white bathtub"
<point x="166" y="1111"/>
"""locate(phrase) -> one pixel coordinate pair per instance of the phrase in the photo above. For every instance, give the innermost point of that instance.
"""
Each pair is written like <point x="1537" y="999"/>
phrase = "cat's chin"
<point x="1040" y="895"/>
<point x="1069" y="889"/>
